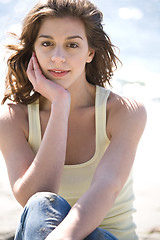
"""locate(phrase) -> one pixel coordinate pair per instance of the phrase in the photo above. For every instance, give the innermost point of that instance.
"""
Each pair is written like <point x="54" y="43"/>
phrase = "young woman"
<point x="69" y="143"/>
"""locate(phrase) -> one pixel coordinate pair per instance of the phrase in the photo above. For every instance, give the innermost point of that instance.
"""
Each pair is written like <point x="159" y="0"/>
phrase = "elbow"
<point x="20" y="195"/>
<point x="109" y="192"/>
<point x="20" y="200"/>
<point x="109" y="187"/>
<point x="116" y="184"/>
<point x="114" y="187"/>
<point x="21" y="192"/>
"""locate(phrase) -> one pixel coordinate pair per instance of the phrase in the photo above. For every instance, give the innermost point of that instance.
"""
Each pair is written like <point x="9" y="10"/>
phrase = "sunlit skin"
<point x="67" y="116"/>
<point x="63" y="52"/>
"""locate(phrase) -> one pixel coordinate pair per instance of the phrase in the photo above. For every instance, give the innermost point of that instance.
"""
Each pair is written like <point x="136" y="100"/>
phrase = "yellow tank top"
<point x="76" y="179"/>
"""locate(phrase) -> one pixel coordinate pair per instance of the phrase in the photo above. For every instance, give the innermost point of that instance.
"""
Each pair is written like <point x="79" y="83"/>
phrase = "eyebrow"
<point x="68" y="38"/>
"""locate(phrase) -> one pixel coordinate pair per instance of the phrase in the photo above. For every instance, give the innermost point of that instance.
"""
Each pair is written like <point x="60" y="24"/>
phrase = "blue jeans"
<point x="43" y="212"/>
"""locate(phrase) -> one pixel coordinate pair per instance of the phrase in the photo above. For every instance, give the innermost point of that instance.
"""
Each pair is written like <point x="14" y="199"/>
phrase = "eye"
<point x="47" y="44"/>
<point x="72" y="45"/>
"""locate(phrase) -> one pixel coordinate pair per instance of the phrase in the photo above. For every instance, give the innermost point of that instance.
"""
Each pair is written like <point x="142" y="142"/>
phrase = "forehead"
<point x="62" y="26"/>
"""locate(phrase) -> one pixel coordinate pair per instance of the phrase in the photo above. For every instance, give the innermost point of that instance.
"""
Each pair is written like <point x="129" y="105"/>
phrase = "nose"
<point x="58" y="55"/>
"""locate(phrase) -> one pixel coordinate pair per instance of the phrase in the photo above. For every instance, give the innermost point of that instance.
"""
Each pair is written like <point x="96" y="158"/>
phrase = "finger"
<point x="30" y="71"/>
<point x="39" y="78"/>
<point x="36" y="67"/>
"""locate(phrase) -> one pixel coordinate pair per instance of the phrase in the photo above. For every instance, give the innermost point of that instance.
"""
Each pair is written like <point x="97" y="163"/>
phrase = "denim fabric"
<point x="43" y="212"/>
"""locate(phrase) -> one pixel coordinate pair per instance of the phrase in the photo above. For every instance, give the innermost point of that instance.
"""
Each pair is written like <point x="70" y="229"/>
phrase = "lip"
<point x="59" y="72"/>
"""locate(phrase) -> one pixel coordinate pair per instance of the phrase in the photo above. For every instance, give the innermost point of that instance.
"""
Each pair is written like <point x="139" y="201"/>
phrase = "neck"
<point x="81" y="96"/>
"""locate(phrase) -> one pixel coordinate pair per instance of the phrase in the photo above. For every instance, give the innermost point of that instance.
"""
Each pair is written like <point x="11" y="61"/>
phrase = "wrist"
<point x="59" y="236"/>
<point x="62" y="108"/>
<point x="61" y="103"/>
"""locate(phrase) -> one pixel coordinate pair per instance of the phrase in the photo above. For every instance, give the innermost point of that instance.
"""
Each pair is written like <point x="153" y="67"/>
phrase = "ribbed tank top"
<point x="76" y="179"/>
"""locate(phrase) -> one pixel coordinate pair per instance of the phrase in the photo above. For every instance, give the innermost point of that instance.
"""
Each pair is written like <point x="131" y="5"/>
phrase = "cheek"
<point x="40" y="55"/>
<point x="81" y="59"/>
<point x="79" y="63"/>
<point x="41" y="60"/>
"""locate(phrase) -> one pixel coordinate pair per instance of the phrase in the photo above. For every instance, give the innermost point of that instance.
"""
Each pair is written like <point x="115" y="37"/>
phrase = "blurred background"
<point x="134" y="27"/>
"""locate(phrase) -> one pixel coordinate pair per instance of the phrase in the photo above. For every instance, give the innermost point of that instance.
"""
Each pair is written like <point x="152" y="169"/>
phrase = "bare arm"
<point x="125" y="126"/>
<point x="29" y="173"/>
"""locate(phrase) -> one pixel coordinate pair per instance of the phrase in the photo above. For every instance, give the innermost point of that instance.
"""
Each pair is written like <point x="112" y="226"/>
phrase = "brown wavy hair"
<point x="17" y="85"/>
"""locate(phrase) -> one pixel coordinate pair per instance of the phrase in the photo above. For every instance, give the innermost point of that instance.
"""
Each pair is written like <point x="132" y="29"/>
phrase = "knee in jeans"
<point x="44" y="199"/>
<point x="44" y="210"/>
<point x="41" y="197"/>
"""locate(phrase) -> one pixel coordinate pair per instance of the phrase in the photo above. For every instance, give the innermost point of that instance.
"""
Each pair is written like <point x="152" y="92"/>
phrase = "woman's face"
<point x="62" y="50"/>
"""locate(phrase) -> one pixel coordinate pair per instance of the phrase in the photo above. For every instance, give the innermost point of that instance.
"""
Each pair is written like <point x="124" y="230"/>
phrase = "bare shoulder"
<point x="125" y="114"/>
<point x="123" y="105"/>
<point x="12" y="116"/>
<point x="12" y="112"/>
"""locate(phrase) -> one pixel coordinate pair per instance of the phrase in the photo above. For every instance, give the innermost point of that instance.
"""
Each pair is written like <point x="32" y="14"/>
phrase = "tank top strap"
<point x="102" y="95"/>
<point x="34" y="125"/>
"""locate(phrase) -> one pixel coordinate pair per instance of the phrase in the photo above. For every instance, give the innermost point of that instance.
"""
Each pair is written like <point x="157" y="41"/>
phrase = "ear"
<point x="91" y="54"/>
